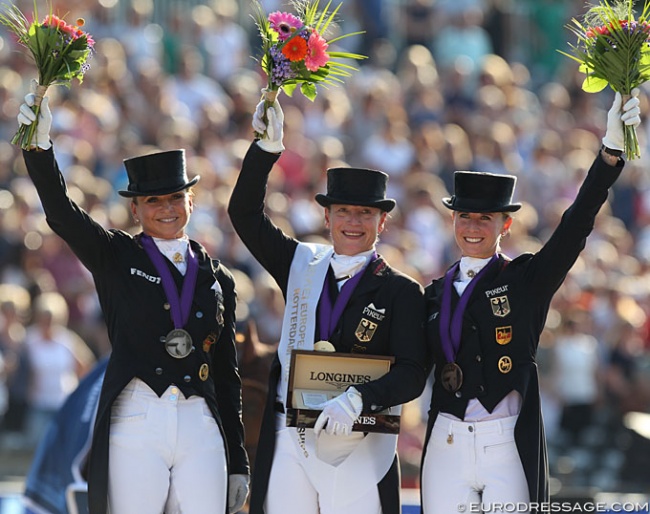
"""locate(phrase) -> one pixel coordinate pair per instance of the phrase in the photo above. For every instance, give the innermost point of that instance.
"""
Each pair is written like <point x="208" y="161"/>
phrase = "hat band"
<point x="351" y="200"/>
<point x="154" y="185"/>
<point x="477" y="205"/>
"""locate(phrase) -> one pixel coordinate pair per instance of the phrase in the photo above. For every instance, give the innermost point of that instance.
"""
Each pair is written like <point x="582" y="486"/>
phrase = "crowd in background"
<point x="448" y="85"/>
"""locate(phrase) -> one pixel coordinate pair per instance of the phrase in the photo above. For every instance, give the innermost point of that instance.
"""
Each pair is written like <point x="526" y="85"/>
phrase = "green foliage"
<point x="613" y="49"/>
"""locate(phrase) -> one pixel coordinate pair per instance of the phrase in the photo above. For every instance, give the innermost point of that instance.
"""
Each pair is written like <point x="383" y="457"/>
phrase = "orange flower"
<point x="295" y="49"/>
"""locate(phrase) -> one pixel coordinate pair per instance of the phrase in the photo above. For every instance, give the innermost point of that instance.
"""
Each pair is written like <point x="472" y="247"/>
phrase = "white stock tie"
<point x="346" y="266"/>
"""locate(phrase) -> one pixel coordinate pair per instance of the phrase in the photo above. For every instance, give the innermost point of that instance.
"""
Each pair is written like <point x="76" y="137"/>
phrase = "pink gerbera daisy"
<point x="317" y="55"/>
<point x="284" y="23"/>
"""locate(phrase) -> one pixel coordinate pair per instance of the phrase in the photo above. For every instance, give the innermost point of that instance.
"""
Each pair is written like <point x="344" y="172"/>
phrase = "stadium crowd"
<point x="448" y="85"/>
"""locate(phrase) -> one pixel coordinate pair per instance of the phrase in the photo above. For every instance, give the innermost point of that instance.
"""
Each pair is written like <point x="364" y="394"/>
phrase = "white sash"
<point x="306" y="279"/>
<point x="369" y="461"/>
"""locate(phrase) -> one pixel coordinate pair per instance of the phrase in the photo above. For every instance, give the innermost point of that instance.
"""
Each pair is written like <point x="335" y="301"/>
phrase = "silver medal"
<point x="178" y="343"/>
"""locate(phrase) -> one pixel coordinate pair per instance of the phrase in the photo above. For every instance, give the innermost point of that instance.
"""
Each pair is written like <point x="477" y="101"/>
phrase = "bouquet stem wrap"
<point x="24" y="137"/>
<point x="269" y="96"/>
<point x="632" y="148"/>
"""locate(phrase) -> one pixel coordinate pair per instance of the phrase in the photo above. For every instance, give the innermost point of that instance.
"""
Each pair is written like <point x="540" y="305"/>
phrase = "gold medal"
<point x="204" y="372"/>
<point x="178" y="343"/>
<point x="324" y="346"/>
<point x="451" y="377"/>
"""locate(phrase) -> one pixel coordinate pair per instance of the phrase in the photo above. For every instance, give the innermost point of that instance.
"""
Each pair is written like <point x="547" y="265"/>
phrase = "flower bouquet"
<point x="59" y="50"/>
<point x="613" y="48"/>
<point x="294" y="51"/>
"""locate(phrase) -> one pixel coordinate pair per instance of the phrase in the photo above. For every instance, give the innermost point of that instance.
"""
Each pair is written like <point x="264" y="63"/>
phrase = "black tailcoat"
<point x="400" y="333"/>
<point x="134" y="306"/>
<point x="504" y="318"/>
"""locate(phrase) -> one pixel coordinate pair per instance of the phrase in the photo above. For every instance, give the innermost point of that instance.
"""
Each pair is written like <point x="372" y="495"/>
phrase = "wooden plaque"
<point x="316" y="377"/>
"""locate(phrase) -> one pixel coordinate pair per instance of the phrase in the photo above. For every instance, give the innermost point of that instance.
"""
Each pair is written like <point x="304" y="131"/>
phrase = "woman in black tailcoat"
<point x="168" y="434"/>
<point x="485" y="439"/>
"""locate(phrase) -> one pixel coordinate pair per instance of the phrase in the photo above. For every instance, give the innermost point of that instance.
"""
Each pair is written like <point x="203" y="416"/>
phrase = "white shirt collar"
<point x="470" y="266"/>
<point x="349" y="265"/>
<point x="175" y="250"/>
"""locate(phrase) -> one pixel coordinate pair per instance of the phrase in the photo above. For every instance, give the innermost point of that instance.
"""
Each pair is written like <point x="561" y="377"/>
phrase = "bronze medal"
<point x="204" y="372"/>
<point x="451" y="377"/>
<point x="324" y="346"/>
<point x="178" y="343"/>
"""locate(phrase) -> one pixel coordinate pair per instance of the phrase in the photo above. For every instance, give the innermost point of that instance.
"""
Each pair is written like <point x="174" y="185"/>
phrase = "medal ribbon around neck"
<point x="328" y="314"/>
<point x="179" y="307"/>
<point x="451" y="326"/>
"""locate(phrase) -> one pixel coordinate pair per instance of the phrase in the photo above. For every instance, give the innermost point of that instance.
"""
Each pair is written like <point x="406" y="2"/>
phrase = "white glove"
<point x="630" y="115"/>
<point x="237" y="492"/>
<point x="340" y="413"/>
<point x="273" y="130"/>
<point x="26" y="116"/>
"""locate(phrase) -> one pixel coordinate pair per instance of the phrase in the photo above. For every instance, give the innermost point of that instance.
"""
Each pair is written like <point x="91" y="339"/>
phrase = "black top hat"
<point x="356" y="186"/>
<point x="476" y="191"/>
<point x="157" y="174"/>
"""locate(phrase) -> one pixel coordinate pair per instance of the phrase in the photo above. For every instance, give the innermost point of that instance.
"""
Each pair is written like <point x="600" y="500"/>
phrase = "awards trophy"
<point x="316" y="377"/>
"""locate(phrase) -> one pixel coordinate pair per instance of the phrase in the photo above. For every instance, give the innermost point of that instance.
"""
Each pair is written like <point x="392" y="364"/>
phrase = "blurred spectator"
<point x="463" y="38"/>
<point x="626" y="388"/>
<point x="14" y="307"/>
<point x="577" y="373"/>
<point x="224" y="41"/>
<point x="57" y="358"/>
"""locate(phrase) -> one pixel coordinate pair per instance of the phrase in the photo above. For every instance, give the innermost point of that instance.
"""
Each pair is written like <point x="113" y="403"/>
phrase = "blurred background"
<point x="449" y="85"/>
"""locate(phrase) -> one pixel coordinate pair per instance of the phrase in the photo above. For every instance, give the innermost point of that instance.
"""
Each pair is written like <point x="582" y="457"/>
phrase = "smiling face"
<point x="478" y="233"/>
<point x="165" y="216"/>
<point x="354" y="228"/>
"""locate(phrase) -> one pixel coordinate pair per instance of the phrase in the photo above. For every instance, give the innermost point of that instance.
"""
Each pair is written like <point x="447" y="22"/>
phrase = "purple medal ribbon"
<point x="328" y="314"/>
<point x="179" y="307"/>
<point x="451" y="327"/>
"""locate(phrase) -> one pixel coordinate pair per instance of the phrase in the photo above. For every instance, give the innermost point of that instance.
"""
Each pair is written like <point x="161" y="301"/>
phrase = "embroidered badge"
<point x="209" y="341"/>
<point x="381" y="268"/>
<point x="220" y="308"/>
<point x="504" y="334"/>
<point x="204" y="372"/>
<point x="365" y="330"/>
<point x="505" y="364"/>
<point x="500" y="306"/>
<point x="373" y="312"/>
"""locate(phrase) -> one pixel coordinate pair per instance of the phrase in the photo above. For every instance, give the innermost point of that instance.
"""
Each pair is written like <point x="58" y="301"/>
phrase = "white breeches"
<point x="166" y="454"/>
<point x="297" y="488"/>
<point x="472" y="465"/>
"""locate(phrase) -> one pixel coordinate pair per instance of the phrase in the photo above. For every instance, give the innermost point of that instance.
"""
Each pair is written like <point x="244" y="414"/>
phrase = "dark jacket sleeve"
<point x="227" y="380"/>
<point x="88" y="240"/>
<point x="272" y="248"/>
<point x="551" y="264"/>
<point x="407" y="377"/>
